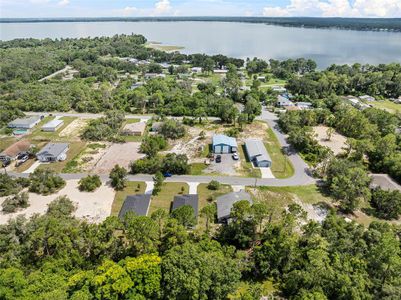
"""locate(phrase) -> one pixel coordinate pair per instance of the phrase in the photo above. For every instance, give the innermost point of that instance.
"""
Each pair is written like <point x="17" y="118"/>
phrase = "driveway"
<point x="266" y="173"/>
<point x="227" y="166"/>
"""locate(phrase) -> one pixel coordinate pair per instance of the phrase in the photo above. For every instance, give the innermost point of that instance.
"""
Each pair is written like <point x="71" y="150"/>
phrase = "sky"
<point x="137" y="8"/>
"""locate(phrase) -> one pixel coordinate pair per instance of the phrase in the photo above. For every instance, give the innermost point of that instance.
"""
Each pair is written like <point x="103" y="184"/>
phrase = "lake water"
<point x="326" y="46"/>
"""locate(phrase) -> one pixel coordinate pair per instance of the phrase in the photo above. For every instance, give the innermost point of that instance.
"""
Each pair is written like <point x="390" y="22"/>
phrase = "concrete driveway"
<point x="227" y="166"/>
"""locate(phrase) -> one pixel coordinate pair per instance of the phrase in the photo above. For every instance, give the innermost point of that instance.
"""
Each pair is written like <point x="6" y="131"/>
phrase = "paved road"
<point x="300" y="177"/>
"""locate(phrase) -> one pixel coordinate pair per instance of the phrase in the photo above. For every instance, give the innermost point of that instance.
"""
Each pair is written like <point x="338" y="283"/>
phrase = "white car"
<point x="235" y="156"/>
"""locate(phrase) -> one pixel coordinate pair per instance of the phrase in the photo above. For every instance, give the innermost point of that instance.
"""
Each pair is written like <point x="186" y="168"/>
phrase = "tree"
<point x="329" y="133"/>
<point x="142" y="234"/>
<point x="213" y="185"/>
<point x="118" y="177"/>
<point x="209" y="213"/>
<point x="259" y="212"/>
<point x="387" y="204"/>
<point x="89" y="183"/>
<point x="61" y="207"/>
<point x="45" y="182"/>
<point x="160" y="215"/>
<point x="152" y="144"/>
<point x="175" y="164"/>
<point x="158" y="183"/>
<point x="12" y="204"/>
<point x="185" y="215"/>
<point x="171" y="129"/>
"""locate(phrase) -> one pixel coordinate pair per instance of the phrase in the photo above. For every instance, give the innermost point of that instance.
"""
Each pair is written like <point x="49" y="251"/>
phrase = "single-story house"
<point x="220" y="71"/>
<point x="257" y="153"/>
<point x="189" y="199"/>
<point x="154" y="75"/>
<point x="53" y="152"/>
<point x="367" y="98"/>
<point x="137" y="128"/>
<point x="304" y="105"/>
<point x="224" y="144"/>
<point x="196" y="70"/>
<point x="226" y="202"/>
<point x="279" y="89"/>
<point x="283" y="101"/>
<point x="25" y="123"/>
<point x="11" y="152"/>
<point x="261" y="78"/>
<point x="139" y="204"/>
<point x="53" y="125"/>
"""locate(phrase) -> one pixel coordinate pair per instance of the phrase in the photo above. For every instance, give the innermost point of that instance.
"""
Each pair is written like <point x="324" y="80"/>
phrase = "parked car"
<point x="167" y="174"/>
<point x="22" y="155"/>
<point x="218" y="158"/>
<point x="235" y="156"/>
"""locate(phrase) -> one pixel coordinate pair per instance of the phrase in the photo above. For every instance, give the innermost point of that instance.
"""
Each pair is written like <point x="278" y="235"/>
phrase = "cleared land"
<point x="336" y="143"/>
<point x="387" y="105"/>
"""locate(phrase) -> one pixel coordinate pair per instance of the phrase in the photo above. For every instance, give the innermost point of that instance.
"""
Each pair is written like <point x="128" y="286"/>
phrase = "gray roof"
<point x="53" y="149"/>
<point x="189" y="199"/>
<point x="139" y="204"/>
<point x="53" y="123"/>
<point x="24" y="121"/>
<point x="219" y="139"/>
<point x="256" y="148"/>
<point x="226" y="202"/>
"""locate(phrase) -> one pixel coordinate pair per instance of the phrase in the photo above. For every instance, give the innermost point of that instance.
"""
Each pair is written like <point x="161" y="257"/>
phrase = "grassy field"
<point x="132" y="188"/>
<point x="5" y="142"/>
<point x="197" y="168"/>
<point x="39" y="135"/>
<point x="281" y="167"/>
<point x="132" y="138"/>
<point x="387" y="105"/>
<point x="166" y="195"/>
<point x="161" y="47"/>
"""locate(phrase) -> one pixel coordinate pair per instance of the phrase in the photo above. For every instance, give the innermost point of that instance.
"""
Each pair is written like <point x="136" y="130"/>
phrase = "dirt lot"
<point x="336" y="143"/>
<point x="74" y="129"/>
<point x="122" y="154"/>
<point x="95" y="207"/>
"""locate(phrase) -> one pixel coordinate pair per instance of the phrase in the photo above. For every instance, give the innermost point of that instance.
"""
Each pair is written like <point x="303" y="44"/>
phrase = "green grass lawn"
<point x="166" y="195"/>
<point x="5" y="142"/>
<point x="197" y="168"/>
<point x="132" y="188"/>
<point x="281" y="166"/>
<point x="38" y="134"/>
<point x="387" y="105"/>
<point x="132" y="138"/>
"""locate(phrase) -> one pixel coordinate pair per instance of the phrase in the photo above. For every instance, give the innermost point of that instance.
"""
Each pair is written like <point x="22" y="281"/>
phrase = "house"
<point x="220" y="71"/>
<point x="11" y="152"/>
<point x="139" y="204"/>
<point x="53" y="125"/>
<point x="196" y="70"/>
<point x="226" y="202"/>
<point x="257" y="153"/>
<point x="53" y="152"/>
<point x="283" y="101"/>
<point x="136" y="129"/>
<point x="385" y="182"/>
<point x="165" y="65"/>
<point x="189" y="199"/>
<point x="304" y="105"/>
<point x="136" y="85"/>
<point x="25" y="123"/>
<point x="154" y="75"/>
<point x="279" y="89"/>
<point x="261" y="78"/>
<point x="224" y="144"/>
<point x="367" y="98"/>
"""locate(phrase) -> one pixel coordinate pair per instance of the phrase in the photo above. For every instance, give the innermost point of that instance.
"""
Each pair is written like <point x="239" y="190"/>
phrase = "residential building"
<point x="189" y="199"/>
<point x="25" y="123"/>
<point x="196" y="70"/>
<point x="367" y="98"/>
<point x="226" y="202"/>
<point x="220" y="71"/>
<point x="53" y="125"/>
<point x="257" y="153"/>
<point x="11" y="152"/>
<point x="224" y="144"/>
<point x="304" y="105"/>
<point x="136" y="129"/>
<point x="139" y="204"/>
<point x="279" y="89"/>
<point x="53" y="152"/>
<point x="154" y="75"/>
<point x="136" y="85"/>
<point x="283" y="101"/>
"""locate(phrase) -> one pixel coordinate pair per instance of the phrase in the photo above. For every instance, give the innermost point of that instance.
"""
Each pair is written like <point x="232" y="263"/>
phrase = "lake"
<point x="325" y="46"/>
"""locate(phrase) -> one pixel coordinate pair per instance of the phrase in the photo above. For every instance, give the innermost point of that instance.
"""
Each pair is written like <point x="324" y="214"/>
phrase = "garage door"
<point x="217" y="149"/>
<point x="226" y="149"/>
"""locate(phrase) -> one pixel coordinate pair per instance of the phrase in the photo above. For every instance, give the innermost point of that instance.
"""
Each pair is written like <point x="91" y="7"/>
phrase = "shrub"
<point x="61" y="207"/>
<point x="151" y="145"/>
<point x="118" y="177"/>
<point x="387" y="204"/>
<point x="89" y="183"/>
<point x="45" y="182"/>
<point x="172" y="129"/>
<point x="10" y="186"/>
<point x="12" y="204"/>
<point x="213" y="185"/>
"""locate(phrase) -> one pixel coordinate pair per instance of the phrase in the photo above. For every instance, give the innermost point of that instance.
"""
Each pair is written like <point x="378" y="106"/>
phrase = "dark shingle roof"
<point x="226" y="202"/>
<point x="139" y="204"/>
<point x="190" y="199"/>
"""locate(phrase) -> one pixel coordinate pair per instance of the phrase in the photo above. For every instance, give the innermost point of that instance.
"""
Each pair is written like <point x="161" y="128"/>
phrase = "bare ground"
<point x="74" y="129"/>
<point x="336" y="143"/>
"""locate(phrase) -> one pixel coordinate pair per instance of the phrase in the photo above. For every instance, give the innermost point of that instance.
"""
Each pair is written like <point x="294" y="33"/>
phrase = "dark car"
<point x="167" y="174"/>
<point x="218" y="158"/>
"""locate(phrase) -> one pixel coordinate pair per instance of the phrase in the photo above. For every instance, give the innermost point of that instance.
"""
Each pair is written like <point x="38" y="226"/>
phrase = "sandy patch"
<point x="122" y="154"/>
<point x="74" y="129"/>
<point x="266" y="173"/>
<point x="94" y="207"/>
<point x="193" y="187"/>
<point x="255" y="130"/>
<point x="336" y="143"/>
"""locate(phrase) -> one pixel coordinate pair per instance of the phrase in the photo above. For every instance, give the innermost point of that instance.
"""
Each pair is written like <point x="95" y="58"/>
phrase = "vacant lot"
<point x="94" y="207"/>
<point x="122" y="154"/>
<point x="74" y="129"/>
<point x="336" y="142"/>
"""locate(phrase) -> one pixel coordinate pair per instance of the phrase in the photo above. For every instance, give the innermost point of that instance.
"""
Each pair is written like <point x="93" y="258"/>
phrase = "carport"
<point x="223" y="144"/>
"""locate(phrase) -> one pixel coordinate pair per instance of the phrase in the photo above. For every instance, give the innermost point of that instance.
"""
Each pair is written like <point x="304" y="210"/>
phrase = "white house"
<point x="196" y="70"/>
<point x="53" y="125"/>
<point x="25" y="123"/>
<point x="283" y="101"/>
<point x="53" y="152"/>
<point x="367" y="98"/>
<point x="304" y="105"/>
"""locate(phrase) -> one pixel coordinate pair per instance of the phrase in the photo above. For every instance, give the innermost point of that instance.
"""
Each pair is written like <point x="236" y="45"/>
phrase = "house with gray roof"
<point x="283" y="101"/>
<point x="189" y="199"/>
<point x="139" y="204"/>
<point x="224" y="144"/>
<point x="257" y="153"/>
<point x="226" y="202"/>
<point x="53" y="152"/>
<point x="53" y="125"/>
<point x="25" y="123"/>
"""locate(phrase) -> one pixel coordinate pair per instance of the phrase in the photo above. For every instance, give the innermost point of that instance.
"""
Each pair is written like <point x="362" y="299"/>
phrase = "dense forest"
<point x="375" y="24"/>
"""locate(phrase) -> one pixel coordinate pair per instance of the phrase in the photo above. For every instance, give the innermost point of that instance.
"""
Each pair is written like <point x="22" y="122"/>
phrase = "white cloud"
<point x="336" y="8"/>
<point x="64" y="2"/>
<point x="162" y="7"/>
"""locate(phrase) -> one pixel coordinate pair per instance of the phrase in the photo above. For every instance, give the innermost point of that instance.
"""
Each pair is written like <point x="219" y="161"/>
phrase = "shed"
<point x="137" y="128"/>
<point x="224" y="144"/>
<point x="225" y="204"/>
<point x="53" y="125"/>
<point x="11" y="152"/>
<point x="139" y="204"/>
<point x="25" y="123"/>
<point x="53" y="152"/>
<point x="189" y="199"/>
<point x="257" y="153"/>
